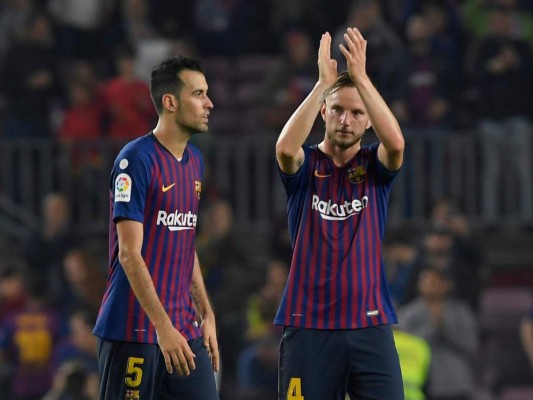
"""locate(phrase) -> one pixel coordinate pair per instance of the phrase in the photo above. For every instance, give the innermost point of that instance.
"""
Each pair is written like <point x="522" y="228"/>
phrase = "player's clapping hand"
<point x="355" y="54"/>
<point x="176" y="351"/>
<point x="210" y="340"/>
<point x="327" y="67"/>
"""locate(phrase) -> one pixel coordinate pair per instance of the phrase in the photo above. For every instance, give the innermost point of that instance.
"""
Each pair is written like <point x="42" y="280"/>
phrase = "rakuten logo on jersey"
<point x="338" y="212"/>
<point x="177" y="221"/>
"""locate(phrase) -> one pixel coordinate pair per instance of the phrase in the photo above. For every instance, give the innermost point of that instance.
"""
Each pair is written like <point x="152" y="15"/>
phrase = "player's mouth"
<point x="344" y="132"/>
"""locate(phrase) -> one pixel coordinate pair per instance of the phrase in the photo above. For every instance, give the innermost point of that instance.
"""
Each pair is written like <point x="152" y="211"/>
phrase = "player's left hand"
<point x="355" y="54"/>
<point x="209" y="331"/>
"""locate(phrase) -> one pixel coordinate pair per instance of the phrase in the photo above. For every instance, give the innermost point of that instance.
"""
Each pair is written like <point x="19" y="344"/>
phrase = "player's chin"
<point x="343" y="143"/>
<point x="202" y="128"/>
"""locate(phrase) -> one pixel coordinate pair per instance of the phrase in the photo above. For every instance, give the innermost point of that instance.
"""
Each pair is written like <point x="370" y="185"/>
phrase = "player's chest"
<point x="340" y="183"/>
<point x="177" y="188"/>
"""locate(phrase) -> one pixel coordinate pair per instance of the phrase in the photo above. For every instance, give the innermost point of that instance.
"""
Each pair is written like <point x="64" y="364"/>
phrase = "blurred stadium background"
<point x="73" y="89"/>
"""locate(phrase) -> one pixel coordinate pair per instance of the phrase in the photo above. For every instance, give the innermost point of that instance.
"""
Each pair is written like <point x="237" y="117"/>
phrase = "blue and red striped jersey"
<point x="337" y="221"/>
<point x="148" y="184"/>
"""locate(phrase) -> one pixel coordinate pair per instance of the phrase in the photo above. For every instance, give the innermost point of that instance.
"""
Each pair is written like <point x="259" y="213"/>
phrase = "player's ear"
<point x="368" y="124"/>
<point x="170" y="102"/>
<point x="323" y="110"/>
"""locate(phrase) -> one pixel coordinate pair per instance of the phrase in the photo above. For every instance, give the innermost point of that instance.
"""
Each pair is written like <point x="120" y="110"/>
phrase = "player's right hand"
<point x="327" y="67"/>
<point x="175" y="349"/>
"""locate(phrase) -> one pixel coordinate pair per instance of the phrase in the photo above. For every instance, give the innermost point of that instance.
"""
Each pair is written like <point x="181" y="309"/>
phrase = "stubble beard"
<point x="343" y="144"/>
<point x="195" y="128"/>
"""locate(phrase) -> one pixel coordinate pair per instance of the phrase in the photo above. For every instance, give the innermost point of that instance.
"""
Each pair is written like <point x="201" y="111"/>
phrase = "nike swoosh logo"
<point x="321" y="176"/>
<point x="167" y="188"/>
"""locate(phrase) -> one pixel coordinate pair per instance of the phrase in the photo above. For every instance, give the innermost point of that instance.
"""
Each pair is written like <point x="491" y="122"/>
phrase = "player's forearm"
<point x="383" y="120"/>
<point x="199" y="293"/>
<point x="143" y="288"/>
<point x="299" y="125"/>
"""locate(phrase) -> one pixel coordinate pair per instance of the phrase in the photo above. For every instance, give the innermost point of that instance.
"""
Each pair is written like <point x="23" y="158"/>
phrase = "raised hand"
<point x="355" y="54"/>
<point x="327" y="67"/>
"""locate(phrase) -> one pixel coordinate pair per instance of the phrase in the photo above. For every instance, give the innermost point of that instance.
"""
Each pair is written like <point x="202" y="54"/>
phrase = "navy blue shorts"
<point x="328" y="364"/>
<point x="137" y="371"/>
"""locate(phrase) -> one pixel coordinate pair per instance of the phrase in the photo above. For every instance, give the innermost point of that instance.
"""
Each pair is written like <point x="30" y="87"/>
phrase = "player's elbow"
<point x="125" y="257"/>
<point x="397" y="145"/>
<point x="285" y="150"/>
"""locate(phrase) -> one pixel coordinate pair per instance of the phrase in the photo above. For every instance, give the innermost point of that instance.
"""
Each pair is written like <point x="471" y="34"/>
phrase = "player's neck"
<point x="339" y="156"/>
<point x="171" y="138"/>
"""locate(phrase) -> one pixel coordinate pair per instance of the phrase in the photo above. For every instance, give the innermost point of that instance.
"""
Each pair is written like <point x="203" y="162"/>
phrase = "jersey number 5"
<point x="134" y="374"/>
<point x="295" y="389"/>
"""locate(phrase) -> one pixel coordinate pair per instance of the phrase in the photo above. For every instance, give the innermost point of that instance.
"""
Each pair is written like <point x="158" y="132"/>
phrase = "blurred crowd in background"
<point x="74" y="70"/>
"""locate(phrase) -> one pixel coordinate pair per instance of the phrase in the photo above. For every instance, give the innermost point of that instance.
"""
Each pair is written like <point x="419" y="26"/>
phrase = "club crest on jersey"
<point x="132" y="395"/>
<point x="198" y="188"/>
<point x="356" y="174"/>
<point x="123" y="184"/>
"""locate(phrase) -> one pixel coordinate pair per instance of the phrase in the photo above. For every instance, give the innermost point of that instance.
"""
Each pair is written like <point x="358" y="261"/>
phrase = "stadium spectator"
<point x="28" y="338"/>
<point x="262" y="305"/>
<point x="127" y="100"/>
<point x="402" y="266"/>
<point x="476" y="17"/>
<point x="72" y="382"/>
<point x="135" y="23"/>
<point x="449" y="253"/>
<point x="173" y="19"/>
<point x="257" y="369"/>
<point x="213" y="28"/>
<point x="80" y="344"/>
<point x="502" y="76"/>
<point x="83" y="118"/>
<point x="46" y="246"/>
<point x="13" y="296"/>
<point x="220" y="253"/>
<point x="82" y="27"/>
<point x="429" y="81"/>
<point x="225" y="267"/>
<point x="289" y="81"/>
<point x="384" y="47"/>
<point x="415" y="361"/>
<point x="450" y="328"/>
<point x="14" y="17"/>
<point x="29" y="81"/>
<point x="85" y="280"/>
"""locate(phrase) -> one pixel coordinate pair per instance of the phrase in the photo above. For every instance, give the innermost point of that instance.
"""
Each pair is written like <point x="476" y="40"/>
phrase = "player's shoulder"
<point x="313" y="152"/>
<point x="139" y="148"/>
<point x="368" y="149"/>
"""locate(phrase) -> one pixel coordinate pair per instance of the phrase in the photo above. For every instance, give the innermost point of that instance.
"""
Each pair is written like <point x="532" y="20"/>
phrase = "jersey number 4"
<point x="295" y="389"/>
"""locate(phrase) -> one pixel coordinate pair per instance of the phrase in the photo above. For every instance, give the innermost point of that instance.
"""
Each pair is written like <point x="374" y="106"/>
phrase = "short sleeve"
<point x="295" y="182"/>
<point x="129" y="185"/>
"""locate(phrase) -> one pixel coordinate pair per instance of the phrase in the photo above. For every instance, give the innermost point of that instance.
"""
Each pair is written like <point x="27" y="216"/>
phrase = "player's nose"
<point x="208" y="103"/>
<point x="345" y="118"/>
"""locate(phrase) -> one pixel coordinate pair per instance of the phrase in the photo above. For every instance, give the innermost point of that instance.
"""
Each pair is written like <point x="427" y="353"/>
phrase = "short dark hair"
<point x="165" y="79"/>
<point x="343" y="80"/>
